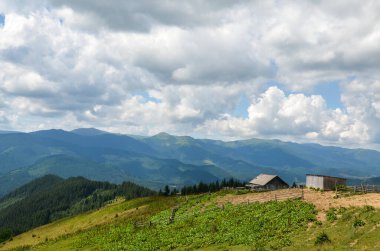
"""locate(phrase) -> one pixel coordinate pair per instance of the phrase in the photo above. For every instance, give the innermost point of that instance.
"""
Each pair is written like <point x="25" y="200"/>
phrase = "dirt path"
<point x="322" y="200"/>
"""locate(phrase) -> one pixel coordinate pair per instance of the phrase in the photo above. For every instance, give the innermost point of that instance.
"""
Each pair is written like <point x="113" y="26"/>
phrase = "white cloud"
<point x="89" y="63"/>
<point x="277" y="115"/>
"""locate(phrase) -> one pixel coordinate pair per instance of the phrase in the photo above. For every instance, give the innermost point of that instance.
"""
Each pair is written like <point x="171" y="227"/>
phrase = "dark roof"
<point x="319" y="175"/>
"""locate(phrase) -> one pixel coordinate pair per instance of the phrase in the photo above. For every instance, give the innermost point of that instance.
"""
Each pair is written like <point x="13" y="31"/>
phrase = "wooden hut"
<point x="323" y="181"/>
<point x="267" y="182"/>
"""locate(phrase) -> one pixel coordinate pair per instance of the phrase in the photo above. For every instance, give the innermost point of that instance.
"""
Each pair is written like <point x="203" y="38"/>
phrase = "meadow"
<point x="201" y="222"/>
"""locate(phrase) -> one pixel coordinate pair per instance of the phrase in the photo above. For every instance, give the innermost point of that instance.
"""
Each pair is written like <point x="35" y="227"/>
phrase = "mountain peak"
<point x="163" y="135"/>
<point x="88" y="131"/>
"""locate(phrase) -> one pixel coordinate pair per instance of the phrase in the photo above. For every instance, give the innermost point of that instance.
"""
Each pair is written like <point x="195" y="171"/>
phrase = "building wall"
<point x="314" y="181"/>
<point x="324" y="182"/>
<point x="276" y="183"/>
<point x="330" y="182"/>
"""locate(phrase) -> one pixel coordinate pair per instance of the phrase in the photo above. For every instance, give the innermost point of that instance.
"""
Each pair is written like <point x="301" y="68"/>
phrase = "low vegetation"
<point x="202" y="222"/>
<point x="322" y="238"/>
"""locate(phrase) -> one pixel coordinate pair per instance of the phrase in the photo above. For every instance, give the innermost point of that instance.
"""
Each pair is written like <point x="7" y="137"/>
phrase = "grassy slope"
<point x="200" y="223"/>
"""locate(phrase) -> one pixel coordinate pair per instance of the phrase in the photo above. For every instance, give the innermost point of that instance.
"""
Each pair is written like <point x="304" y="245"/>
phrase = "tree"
<point x="5" y="234"/>
<point x="166" y="190"/>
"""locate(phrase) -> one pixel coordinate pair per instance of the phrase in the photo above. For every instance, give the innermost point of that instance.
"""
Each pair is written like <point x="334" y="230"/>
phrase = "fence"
<point x="365" y="188"/>
<point x="279" y="195"/>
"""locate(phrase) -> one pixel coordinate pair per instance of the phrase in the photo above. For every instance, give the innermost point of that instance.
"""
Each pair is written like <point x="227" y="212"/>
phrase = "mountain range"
<point x="166" y="159"/>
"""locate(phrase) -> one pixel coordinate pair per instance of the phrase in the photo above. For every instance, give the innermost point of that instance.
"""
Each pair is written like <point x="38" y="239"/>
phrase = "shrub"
<point x="341" y="188"/>
<point x="358" y="223"/>
<point x="368" y="208"/>
<point x="331" y="216"/>
<point x="322" y="238"/>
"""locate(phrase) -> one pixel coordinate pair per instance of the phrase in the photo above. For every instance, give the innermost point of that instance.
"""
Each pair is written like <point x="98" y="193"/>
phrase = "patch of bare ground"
<point x="322" y="200"/>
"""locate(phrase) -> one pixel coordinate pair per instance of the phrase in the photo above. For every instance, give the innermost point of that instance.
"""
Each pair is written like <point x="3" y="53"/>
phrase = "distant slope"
<point x="50" y="198"/>
<point x="288" y="159"/>
<point x="7" y="132"/>
<point x="364" y="181"/>
<point x="88" y="131"/>
<point x="36" y="186"/>
<point x="114" y="167"/>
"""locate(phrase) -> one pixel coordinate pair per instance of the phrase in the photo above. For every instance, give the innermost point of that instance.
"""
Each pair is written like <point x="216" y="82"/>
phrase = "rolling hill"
<point x="50" y="197"/>
<point x="212" y="222"/>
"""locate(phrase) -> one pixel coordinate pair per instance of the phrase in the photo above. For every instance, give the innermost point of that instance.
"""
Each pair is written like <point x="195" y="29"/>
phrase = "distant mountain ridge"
<point x="166" y="159"/>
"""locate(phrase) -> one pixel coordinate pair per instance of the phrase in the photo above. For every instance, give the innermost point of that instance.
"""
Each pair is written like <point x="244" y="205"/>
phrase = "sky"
<point x="303" y="71"/>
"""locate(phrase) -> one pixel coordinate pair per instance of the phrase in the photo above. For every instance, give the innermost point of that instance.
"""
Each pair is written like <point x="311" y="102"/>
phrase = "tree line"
<point x="202" y="187"/>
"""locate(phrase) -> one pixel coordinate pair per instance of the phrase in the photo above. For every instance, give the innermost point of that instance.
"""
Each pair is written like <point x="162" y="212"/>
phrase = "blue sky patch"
<point x="2" y="19"/>
<point x="331" y="92"/>
<point x="148" y="98"/>
<point x="241" y="109"/>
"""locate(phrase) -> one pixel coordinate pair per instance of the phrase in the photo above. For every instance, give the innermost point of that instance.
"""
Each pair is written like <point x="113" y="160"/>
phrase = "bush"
<point x="322" y="238"/>
<point x="341" y="188"/>
<point x="331" y="216"/>
<point x="368" y="208"/>
<point x="358" y="223"/>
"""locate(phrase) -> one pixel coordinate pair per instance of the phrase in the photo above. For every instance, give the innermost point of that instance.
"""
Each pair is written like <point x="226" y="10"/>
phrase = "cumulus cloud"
<point x="275" y="114"/>
<point x="183" y="67"/>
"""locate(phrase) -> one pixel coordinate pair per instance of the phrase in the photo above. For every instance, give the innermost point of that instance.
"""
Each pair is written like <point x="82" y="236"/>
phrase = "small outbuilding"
<point x="323" y="181"/>
<point x="267" y="182"/>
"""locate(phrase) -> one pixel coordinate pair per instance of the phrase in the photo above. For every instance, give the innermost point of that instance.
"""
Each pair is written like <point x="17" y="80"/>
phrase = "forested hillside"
<point x="50" y="198"/>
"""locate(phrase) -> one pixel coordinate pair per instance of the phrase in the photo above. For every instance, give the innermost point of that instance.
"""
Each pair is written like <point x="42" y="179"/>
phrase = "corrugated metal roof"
<point x="262" y="179"/>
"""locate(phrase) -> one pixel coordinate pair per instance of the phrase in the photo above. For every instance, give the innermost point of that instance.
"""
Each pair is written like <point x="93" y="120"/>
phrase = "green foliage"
<point x="317" y="189"/>
<point x="48" y="201"/>
<point x="341" y="188"/>
<point x="331" y="215"/>
<point x="358" y="223"/>
<point x="198" y="224"/>
<point x="322" y="238"/>
<point x="5" y="234"/>
<point x="368" y="208"/>
<point x="202" y="187"/>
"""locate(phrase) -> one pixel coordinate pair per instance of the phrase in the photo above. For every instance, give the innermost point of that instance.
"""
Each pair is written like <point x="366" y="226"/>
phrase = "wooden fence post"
<point x="171" y="218"/>
<point x="302" y="195"/>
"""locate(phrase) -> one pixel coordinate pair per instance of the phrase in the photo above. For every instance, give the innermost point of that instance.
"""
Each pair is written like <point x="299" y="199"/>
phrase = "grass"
<point x="355" y="228"/>
<point x="201" y="224"/>
<point x="79" y="223"/>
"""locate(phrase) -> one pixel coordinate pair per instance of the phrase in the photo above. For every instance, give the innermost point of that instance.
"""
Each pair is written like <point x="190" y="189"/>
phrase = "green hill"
<point x="50" y="198"/>
<point x="201" y="222"/>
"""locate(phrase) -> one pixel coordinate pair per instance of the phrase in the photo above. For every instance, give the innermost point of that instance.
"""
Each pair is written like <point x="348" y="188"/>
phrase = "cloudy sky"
<point x="305" y="71"/>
